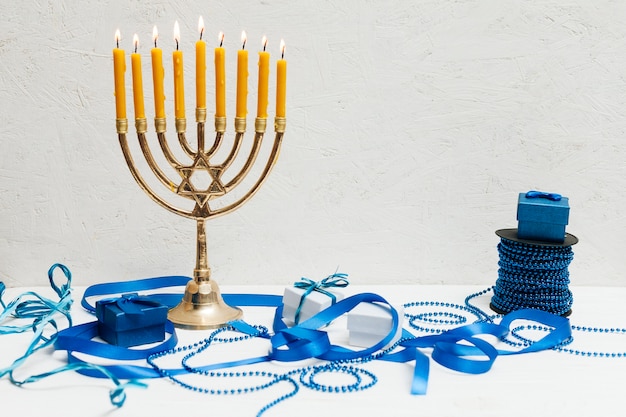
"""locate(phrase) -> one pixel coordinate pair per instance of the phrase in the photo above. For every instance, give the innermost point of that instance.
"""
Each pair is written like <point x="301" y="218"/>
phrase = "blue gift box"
<point x="131" y="320"/>
<point x="542" y="216"/>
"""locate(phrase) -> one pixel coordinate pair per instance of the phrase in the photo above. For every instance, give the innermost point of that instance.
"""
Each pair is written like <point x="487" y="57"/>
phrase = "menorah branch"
<point x="142" y="183"/>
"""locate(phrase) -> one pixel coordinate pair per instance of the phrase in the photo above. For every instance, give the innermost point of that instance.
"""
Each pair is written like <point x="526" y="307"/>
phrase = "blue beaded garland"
<point x="515" y="337"/>
<point x="533" y="276"/>
<point x="307" y="376"/>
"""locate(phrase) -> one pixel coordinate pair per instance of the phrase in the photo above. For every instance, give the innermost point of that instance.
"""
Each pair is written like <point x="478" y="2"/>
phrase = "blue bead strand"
<point x="533" y="276"/>
<point x="307" y="376"/>
<point x="440" y="316"/>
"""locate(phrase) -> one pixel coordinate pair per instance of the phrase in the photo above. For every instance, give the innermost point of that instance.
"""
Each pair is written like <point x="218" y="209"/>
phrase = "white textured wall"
<point x="412" y="127"/>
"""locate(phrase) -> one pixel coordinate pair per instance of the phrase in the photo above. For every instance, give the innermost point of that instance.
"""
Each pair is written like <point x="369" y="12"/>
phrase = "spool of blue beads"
<point x="533" y="274"/>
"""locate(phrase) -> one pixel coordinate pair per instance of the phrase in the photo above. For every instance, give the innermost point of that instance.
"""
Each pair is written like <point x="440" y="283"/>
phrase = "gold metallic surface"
<point x="122" y="126"/>
<point x="200" y="115"/>
<point x="240" y="124"/>
<point x="160" y="125"/>
<point x="202" y="306"/>
<point x="280" y="123"/>
<point x="181" y="125"/>
<point x="260" y="124"/>
<point x="141" y="125"/>
<point x="220" y="124"/>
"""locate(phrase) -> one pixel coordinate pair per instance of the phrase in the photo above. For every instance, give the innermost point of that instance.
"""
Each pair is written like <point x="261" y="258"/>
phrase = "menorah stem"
<point x="200" y="134"/>
<point x="202" y="271"/>
<point x="202" y="306"/>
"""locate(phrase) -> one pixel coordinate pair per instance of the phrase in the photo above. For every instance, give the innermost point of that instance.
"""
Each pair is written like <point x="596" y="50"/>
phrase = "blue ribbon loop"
<point x="462" y="349"/>
<point x="43" y="311"/>
<point x="541" y="194"/>
<point x="131" y="303"/>
<point x="336" y="280"/>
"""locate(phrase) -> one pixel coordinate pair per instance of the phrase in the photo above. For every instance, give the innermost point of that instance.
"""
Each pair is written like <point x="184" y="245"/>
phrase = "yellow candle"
<point x="135" y="59"/>
<point x="119" y="68"/>
<point x="242" y="79"/>
<point x="179" y="90"/>
<point x="201" y="68"/>
<point x="158" y="74"/>
<point x="264" y="73"/>
<point x="220" y="79"/>
<point x="281" y="82"/>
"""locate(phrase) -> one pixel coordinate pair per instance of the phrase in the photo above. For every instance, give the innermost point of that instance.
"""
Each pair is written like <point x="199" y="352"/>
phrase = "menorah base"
<point x="203" y="307"/>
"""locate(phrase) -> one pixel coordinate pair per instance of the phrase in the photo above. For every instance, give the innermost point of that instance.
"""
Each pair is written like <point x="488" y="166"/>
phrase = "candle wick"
<point x="201" y="32"/>
<point x="244" y="45"/>
<point x="117" y="43"/>
<point x="264" y="46"/>
<point x="177" y="44"/>
<point x="135" y="48"/>
<point x="221" y="42"/>
<point x="282" y="55"/>
<point x="155" y="41"/>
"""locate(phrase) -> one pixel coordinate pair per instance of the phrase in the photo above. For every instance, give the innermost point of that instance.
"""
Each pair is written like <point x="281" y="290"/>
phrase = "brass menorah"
<point x="202" y="306"/>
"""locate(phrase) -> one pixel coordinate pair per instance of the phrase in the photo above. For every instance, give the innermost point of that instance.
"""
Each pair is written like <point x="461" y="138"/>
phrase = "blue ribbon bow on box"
<point x="337" y="280"/>
<point x="131" y="303"/>
<point x="540" y="194"/>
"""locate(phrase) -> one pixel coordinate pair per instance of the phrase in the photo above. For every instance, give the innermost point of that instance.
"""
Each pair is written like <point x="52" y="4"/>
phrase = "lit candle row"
<point x="158" y="75"/>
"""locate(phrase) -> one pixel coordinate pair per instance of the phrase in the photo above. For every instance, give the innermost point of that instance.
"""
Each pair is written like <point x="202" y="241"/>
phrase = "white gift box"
<point x="369" y="323"/>
<point x="313" y="303"/>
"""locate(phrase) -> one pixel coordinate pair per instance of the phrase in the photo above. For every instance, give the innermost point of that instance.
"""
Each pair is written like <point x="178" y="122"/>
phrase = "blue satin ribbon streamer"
<point x="336" y="280"/>
<point x="460" y="349"/>
<point x="540" y="194"/>
<point x="115" y="288"/>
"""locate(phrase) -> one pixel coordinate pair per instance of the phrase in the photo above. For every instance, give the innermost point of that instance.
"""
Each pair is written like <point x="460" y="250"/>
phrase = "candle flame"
<point x="220" y="38"/>
<point x="201" y="26"/>
<point x="282" y="48"/>
<point x="155" y="35"/>
<point x="176" y="33"/>
<point x="136" y="41"/>
<point x="264" y="42"/>
<point x="244" y="38"/>
<point x="118" y="36"/>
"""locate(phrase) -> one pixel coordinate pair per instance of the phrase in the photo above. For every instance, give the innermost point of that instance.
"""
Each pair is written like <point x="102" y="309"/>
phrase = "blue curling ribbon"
<point x="43" y="313"/>
<point x="540" y="194"/>
<point x="2" y="288"/>
<point x="336" y="280"/>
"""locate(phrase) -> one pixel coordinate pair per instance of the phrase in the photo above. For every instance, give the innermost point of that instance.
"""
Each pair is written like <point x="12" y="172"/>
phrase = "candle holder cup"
<point x="202" y="305"/>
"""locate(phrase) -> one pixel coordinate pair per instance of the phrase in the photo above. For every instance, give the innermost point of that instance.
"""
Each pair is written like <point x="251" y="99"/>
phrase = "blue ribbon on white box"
<point x="336" y="280"/>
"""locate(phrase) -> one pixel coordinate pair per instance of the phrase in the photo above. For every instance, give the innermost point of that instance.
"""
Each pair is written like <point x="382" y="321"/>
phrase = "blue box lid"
<point x="543" y="208"/>
<point x="130" y="312"/>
